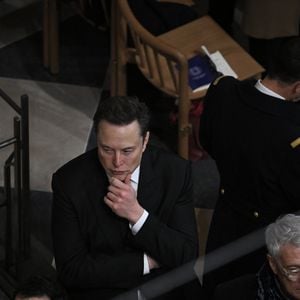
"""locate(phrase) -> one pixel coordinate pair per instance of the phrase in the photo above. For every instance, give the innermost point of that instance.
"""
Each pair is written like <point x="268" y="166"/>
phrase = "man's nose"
<point x="117" y="160"/>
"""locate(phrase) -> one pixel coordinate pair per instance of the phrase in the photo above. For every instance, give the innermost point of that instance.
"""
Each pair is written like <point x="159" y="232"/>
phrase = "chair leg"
<point x="46" y="34"/>
<point x="50" y="36"/>
<point x="183" y="141"/>
<point x="113" y="51"/>
<point x="53" y="37"/>
<point x="118" y="84"/>
<point x="184" y="127"/>
<point x="106" y="13"/>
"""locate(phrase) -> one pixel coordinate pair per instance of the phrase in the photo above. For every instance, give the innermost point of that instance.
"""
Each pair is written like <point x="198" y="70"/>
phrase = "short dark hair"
<point x="285" y="65"/>
<point x="123" y="110"/>
<point x="39" y="286"/>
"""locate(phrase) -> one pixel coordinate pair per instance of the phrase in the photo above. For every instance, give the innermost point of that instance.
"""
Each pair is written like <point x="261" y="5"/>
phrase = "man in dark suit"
<point x="252" y="130"/>
<point x="122" y="213"/>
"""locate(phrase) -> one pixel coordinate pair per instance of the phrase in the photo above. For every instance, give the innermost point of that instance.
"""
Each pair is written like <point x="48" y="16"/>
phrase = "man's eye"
<point x="294" y="270"/>
<point x="127" y="151"/>
<point x="107" y="150"/>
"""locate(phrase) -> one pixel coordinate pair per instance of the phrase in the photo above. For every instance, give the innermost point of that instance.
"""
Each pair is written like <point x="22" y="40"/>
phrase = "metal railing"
<point x="16" y="194"/>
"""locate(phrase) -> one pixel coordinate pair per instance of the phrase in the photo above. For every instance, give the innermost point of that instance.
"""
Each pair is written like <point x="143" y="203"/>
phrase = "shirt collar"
<point x="266" y="90"/>
<point x="135" y="175"/>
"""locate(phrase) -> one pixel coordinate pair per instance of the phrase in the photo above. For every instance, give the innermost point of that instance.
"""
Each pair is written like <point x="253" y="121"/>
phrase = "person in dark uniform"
<point x="252" y="130"/>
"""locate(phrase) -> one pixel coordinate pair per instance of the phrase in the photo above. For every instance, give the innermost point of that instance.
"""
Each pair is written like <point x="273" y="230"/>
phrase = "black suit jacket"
<point x="249" y="134"/>
<point x="96" y="254"/>
<point x="241" y="288"/>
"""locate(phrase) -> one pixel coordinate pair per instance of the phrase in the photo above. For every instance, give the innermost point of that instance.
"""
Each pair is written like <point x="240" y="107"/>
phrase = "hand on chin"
<point x="119" y="175"/>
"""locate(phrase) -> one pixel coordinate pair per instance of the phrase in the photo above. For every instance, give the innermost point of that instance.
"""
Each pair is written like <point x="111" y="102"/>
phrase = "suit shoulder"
<point x="243" y="287"/>
<point x="78" y="163"/>
<point x="222" y="84"/>
<point x="223" y="79"/>
<point x="216" y="81"/>
<point x="167" y="158"/>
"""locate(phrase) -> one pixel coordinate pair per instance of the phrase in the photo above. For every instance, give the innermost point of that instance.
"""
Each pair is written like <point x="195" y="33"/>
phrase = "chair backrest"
<point x="164" y="66"/>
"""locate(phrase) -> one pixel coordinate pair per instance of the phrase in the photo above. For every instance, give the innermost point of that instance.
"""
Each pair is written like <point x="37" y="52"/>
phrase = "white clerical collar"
<point x="266" y="90"/>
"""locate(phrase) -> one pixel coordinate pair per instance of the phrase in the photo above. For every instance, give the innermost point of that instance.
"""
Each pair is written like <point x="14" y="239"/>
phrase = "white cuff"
<point x="146" y="265"/>
<point x="138" y="225"/>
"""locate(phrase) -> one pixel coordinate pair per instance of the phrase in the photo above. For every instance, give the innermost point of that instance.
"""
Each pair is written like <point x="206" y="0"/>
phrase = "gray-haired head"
<point x="285" y="230"/>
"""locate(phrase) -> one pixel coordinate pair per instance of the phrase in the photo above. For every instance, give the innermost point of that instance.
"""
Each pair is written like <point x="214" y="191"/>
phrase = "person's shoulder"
<point x="243" y="287"/>
<point x="79" y="163"/>
<point x="218" y="79"/>
<point x="164" y="156"/>
<point x="224" y="80"/>
<point x="223" y="85"/>
<point x="166" y="165"/>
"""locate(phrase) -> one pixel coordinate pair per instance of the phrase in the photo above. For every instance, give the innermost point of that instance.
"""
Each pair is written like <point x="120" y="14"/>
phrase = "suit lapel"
<point x="147" y="188"/>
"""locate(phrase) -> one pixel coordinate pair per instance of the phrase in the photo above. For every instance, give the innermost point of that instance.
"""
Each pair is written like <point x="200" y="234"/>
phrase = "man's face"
<point x="120" y="148"/>
<point x="287" y="263"/>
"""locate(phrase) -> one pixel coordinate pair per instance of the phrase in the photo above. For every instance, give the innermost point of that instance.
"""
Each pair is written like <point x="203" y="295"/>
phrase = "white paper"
<point x="222" y="66"/>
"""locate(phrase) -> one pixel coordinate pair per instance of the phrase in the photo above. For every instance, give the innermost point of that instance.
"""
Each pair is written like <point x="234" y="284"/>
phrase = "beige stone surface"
<point x="60" y="121"/>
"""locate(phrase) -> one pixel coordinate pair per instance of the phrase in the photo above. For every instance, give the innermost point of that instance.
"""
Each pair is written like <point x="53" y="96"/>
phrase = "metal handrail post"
<point x="18" y="192"/>
<point x="7" y="203"/>
<point x="25" y="175"/>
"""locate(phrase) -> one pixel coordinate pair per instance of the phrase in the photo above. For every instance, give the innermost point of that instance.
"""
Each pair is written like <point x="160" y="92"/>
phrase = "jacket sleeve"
<point x="171" y="237"/>
<point x="206" y="119"/>
<point x="77" y="266"/>
<point x="214" y="103"/>
<point x="290" y="176"/>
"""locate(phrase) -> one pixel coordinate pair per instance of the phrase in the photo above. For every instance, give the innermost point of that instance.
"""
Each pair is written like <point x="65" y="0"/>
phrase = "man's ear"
<point x="272" y="263"/>
<point x="146" y="140"/>
<point x="297" y="88"/>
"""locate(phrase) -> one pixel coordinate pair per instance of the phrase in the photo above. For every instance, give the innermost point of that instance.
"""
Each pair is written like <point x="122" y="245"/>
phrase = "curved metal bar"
<point x="10" y="102"/>
<point x="7" y="142"/>
<point x="25" y="175"/>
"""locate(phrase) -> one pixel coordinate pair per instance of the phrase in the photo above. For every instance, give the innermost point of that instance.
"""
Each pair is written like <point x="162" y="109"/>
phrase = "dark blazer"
<point x="96" y="254"/>
<point x="241" y="288"/>
<point x="250" y="135"/>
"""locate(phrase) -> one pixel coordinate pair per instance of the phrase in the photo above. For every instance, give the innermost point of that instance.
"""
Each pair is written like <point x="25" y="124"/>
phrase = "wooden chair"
<point x="51" y="29"/>
<point x="163" y="59"/>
